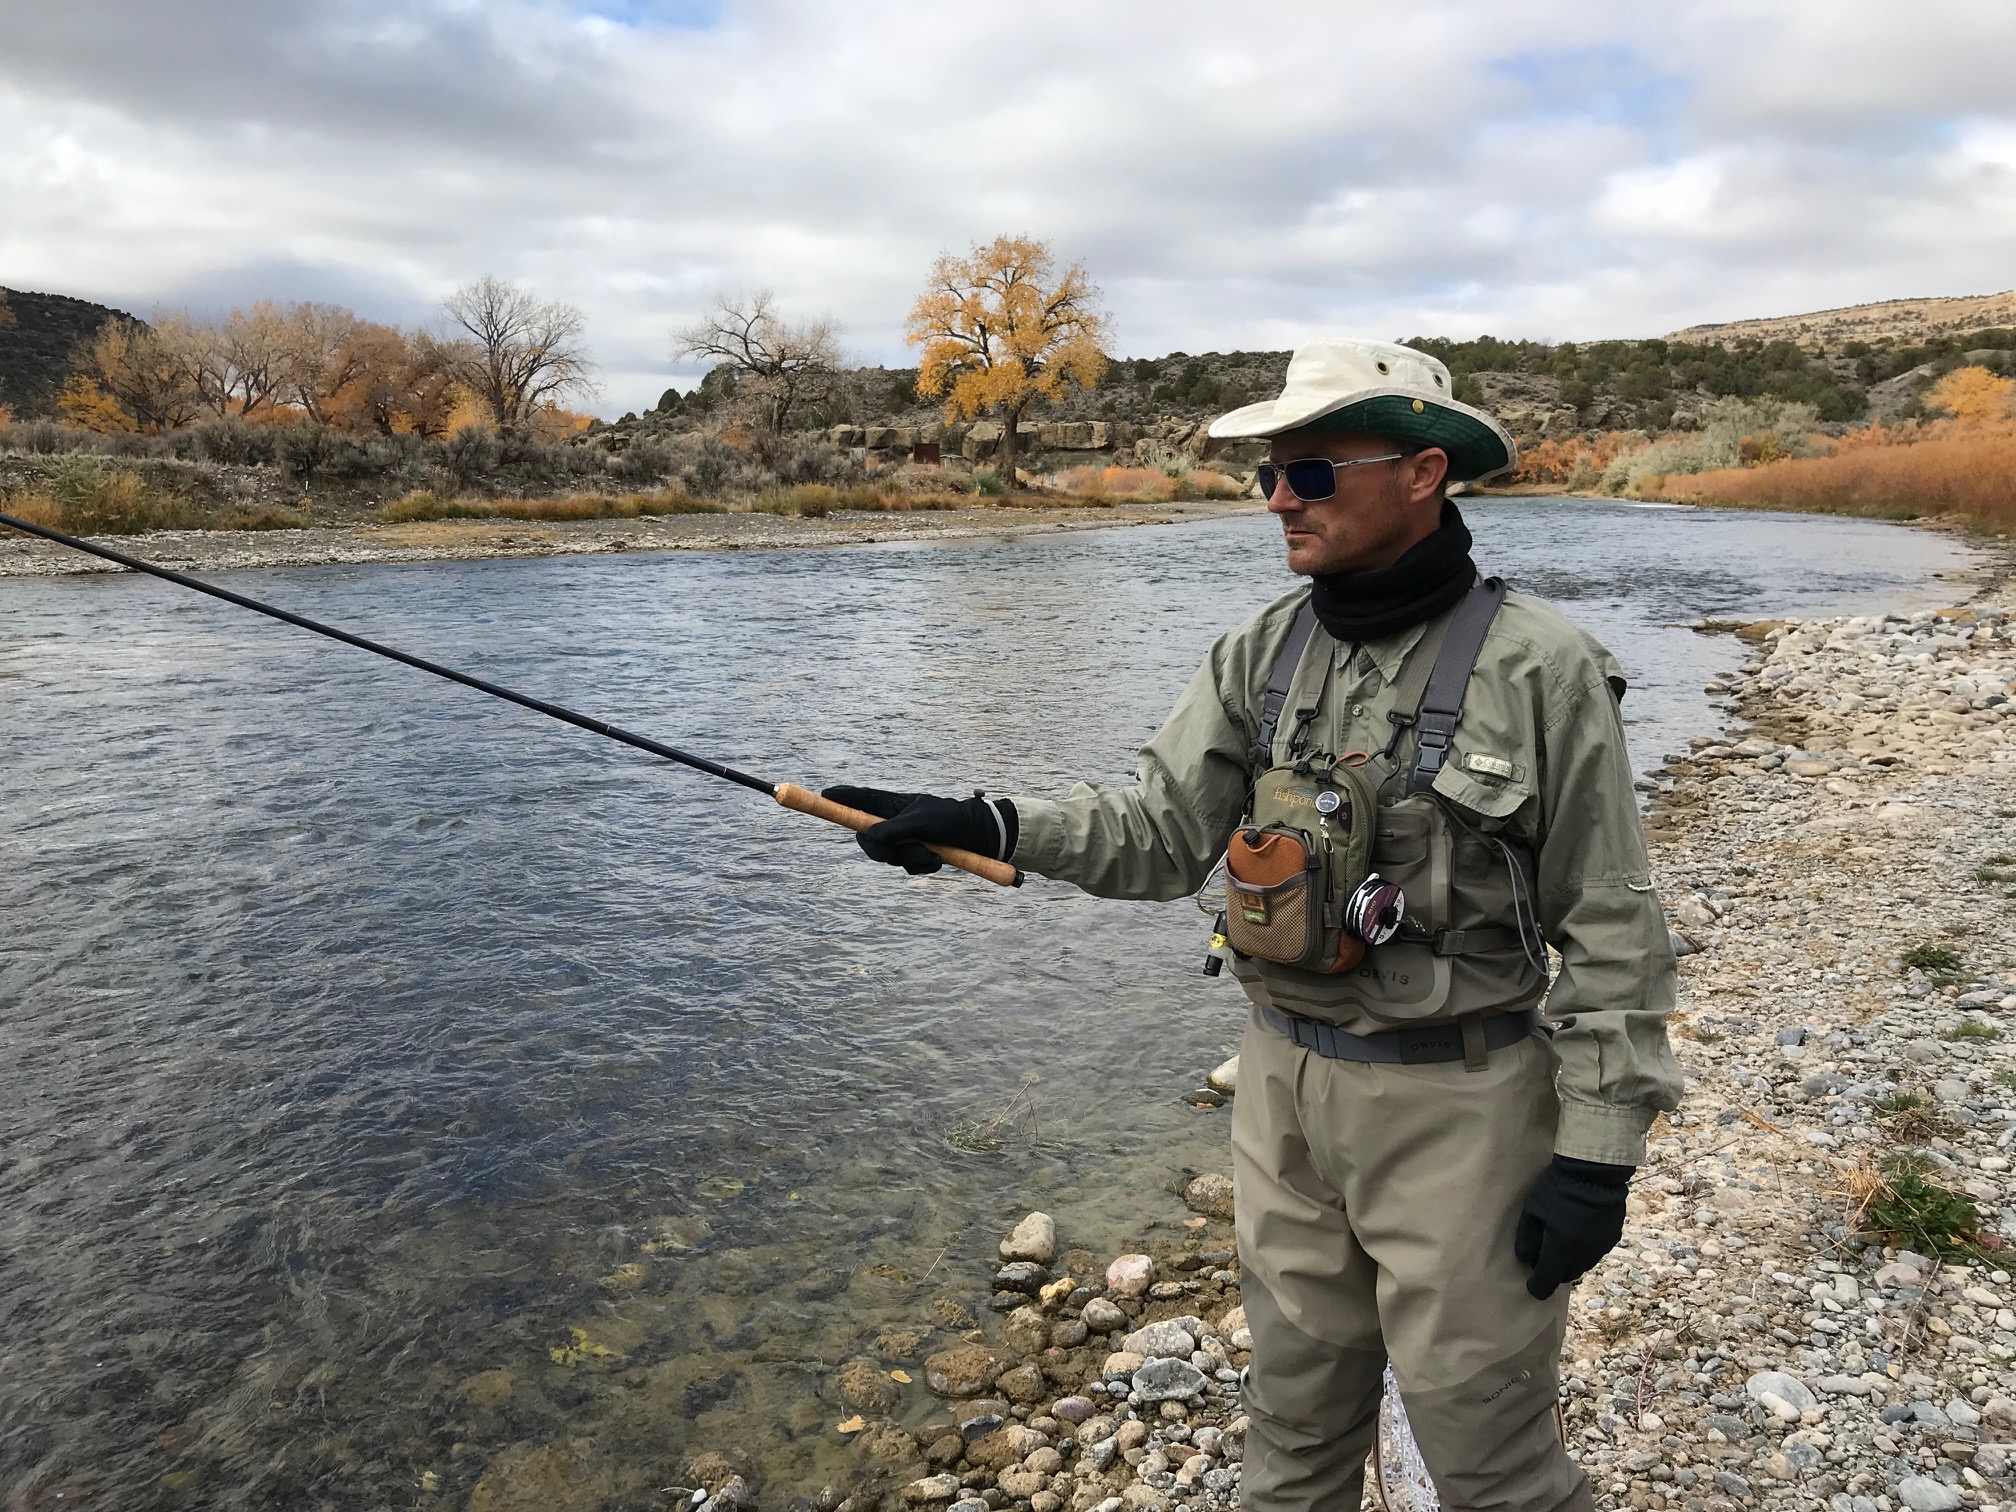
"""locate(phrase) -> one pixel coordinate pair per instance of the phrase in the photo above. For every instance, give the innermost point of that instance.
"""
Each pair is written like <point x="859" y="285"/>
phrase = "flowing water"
<point x="389" y="1076"/>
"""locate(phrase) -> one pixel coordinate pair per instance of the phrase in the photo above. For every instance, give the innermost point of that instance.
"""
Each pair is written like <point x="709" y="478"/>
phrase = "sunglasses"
<point x="1312" y="479"/>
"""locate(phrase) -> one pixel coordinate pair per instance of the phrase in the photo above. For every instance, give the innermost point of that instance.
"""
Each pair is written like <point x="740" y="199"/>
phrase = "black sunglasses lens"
<point x="1309" y="478"/>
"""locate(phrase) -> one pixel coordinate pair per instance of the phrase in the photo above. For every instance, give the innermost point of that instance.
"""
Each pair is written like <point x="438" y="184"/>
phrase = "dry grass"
<point x="424" y="505"/>
<point x="815" y="501"/>
<point x="1147" y="485"/>
<point x="1964" y="472"/>
<point x="91" y="500"/>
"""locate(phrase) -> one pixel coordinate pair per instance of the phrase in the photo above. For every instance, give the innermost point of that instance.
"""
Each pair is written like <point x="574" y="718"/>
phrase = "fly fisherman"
<point x="1417" y="784"/>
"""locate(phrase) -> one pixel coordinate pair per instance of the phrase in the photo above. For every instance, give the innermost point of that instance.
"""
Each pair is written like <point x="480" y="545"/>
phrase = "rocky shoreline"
<point x="1842" y="879"/>
<point x="473" y="540"/>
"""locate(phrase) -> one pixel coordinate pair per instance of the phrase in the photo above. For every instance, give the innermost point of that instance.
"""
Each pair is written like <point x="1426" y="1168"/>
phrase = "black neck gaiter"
<point x="1430" y="577"/>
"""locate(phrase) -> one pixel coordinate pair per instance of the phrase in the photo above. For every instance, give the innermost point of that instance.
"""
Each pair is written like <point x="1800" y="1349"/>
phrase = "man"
<point x="1422" y="1165"/>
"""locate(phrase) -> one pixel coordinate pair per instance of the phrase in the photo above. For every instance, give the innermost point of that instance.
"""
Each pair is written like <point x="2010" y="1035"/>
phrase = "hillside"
<point x="35" y="350"/>
<point x="1908" y="322"/>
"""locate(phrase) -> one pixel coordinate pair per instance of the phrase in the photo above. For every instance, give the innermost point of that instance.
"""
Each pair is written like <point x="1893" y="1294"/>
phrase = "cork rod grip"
<point x="804" y="801"/>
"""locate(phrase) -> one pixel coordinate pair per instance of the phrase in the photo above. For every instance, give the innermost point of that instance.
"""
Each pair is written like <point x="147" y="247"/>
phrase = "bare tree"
<point x="526" y="351"/>
<point x="782" y="365"/>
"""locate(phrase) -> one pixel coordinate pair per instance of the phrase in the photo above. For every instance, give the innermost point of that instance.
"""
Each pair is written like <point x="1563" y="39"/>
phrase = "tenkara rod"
<point x="789" y="794"/>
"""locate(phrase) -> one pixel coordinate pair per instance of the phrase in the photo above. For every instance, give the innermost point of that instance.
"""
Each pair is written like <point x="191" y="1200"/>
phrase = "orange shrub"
<point x="1576" y="459"/>
<point x="1968" y="471"/>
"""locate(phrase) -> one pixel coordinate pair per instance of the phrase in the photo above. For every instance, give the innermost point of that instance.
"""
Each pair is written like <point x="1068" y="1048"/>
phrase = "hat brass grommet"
<point x="1382" y="367"/>
<point x="1419" y="406"/>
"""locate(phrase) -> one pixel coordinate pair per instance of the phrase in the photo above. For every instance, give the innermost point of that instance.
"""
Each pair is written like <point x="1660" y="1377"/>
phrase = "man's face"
<point x="1378" y="511"/>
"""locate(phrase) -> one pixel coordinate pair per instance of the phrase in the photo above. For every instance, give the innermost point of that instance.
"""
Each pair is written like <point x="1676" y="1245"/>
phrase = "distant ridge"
<point x="1907" y="321"/>
<point x="36" y="350"/>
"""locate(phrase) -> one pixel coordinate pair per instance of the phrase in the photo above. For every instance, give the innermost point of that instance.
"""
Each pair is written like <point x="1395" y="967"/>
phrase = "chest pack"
<point x="1301" y="886"/>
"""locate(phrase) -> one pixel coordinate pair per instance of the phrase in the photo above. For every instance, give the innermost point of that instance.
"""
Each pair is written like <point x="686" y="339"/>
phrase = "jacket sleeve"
<point x="1161" y="837"/>
<point x="1597" y="907"/>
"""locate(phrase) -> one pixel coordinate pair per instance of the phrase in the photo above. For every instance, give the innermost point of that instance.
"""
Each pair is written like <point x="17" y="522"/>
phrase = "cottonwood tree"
<point x="1000" y="330"/>
<point x="142" y="377"/>
<point x="394" y="382"/>
<point x="523" y="352"/>
<point x="243" y="361"/>
<point x="779" y="364"/>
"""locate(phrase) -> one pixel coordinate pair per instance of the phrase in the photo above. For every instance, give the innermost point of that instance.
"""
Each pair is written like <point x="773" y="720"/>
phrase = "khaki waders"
<point x="1376" y="1205"/>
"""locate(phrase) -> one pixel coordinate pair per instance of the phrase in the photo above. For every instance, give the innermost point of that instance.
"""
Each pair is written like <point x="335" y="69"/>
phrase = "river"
<point x="362" y="1038"/>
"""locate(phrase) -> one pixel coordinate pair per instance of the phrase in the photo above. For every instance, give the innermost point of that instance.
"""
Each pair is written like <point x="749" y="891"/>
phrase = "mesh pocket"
<point x="1269" y="922"/>
<point x="1270" y="912"/>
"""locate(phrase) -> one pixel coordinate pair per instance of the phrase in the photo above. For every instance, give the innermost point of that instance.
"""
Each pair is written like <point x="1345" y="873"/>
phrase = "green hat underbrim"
<point x="1476" y="450"/>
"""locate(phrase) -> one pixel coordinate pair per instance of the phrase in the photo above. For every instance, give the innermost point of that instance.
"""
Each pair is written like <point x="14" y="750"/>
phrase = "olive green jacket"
<point x="1540" y="747"/>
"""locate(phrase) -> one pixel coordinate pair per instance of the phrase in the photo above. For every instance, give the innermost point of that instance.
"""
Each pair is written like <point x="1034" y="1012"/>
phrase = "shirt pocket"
<point x="1492" y="799"/>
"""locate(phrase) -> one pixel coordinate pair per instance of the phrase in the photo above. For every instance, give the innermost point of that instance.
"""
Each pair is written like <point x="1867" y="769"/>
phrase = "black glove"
<point x="1573" y="1216"/>
<point x="913" y="821"/>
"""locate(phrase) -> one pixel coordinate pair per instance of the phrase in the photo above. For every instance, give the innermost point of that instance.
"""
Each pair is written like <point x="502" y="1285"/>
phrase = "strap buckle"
<point x="1431" y="751"/>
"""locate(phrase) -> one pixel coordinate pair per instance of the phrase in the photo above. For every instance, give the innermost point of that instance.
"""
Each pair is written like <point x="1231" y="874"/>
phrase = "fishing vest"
<point x="1467" y="940"/>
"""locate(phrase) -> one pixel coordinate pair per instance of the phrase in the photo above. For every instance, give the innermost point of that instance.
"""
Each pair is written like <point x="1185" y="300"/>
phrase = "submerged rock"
<point x="568" y="1476"/>
<point x="963" y="1371"/>
<point x="1209" y="1194"/>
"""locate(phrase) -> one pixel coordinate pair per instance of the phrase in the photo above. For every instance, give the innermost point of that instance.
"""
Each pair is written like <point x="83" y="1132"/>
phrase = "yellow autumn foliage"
<point x="1972" y="395"/>
<point x="1000" y="329"/>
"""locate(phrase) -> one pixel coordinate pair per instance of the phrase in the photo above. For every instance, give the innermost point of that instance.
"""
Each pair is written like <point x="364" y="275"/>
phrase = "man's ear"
<point x="1427" y="471"/>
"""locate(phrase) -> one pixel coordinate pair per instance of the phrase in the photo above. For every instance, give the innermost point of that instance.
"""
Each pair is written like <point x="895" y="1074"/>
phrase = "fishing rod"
<point x="789" y="794"/>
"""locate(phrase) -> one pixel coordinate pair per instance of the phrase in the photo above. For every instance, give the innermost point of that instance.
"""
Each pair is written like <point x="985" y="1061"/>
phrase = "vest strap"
<point x="1278" y="682"/>
<point x="1441" y="703"/>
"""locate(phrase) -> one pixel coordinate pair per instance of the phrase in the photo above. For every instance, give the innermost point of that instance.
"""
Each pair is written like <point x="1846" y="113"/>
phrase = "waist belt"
<point x="1456" y="942"/>
<point x="1467" y="1039"/>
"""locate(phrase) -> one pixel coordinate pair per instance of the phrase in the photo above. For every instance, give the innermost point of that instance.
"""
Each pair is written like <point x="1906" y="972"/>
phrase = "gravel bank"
<point x="1752" y="1343"/>
<point x="463" y="540"/>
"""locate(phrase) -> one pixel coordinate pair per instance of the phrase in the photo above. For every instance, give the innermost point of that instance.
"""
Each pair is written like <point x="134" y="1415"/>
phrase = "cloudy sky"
<point x="1233" y="175"/>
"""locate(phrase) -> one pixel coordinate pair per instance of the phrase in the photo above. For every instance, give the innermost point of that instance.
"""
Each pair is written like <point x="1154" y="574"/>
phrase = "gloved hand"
<point x="1573" y="1216"/>
<point x="911" y="821"/>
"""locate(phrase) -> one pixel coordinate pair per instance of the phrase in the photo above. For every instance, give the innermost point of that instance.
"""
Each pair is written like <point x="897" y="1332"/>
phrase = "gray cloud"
<point x="1531" y="167"/>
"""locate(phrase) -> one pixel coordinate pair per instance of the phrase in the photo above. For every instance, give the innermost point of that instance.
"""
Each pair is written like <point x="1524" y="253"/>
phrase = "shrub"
<point x="1932" y="958"/>
<point x="1917" y="1213"/>
<point x="1958" y="471"/>
<point x="423" y="504"/>
<point x="989" y="483"/>
<point x="469" y="458"/>
<point x="86" y="495"/>
<point x="235" y="441"/>
<point x="45" y="438"/>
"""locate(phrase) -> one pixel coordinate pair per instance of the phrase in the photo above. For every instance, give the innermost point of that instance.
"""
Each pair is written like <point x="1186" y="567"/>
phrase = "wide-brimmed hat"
<point x="1346" y="385"/>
